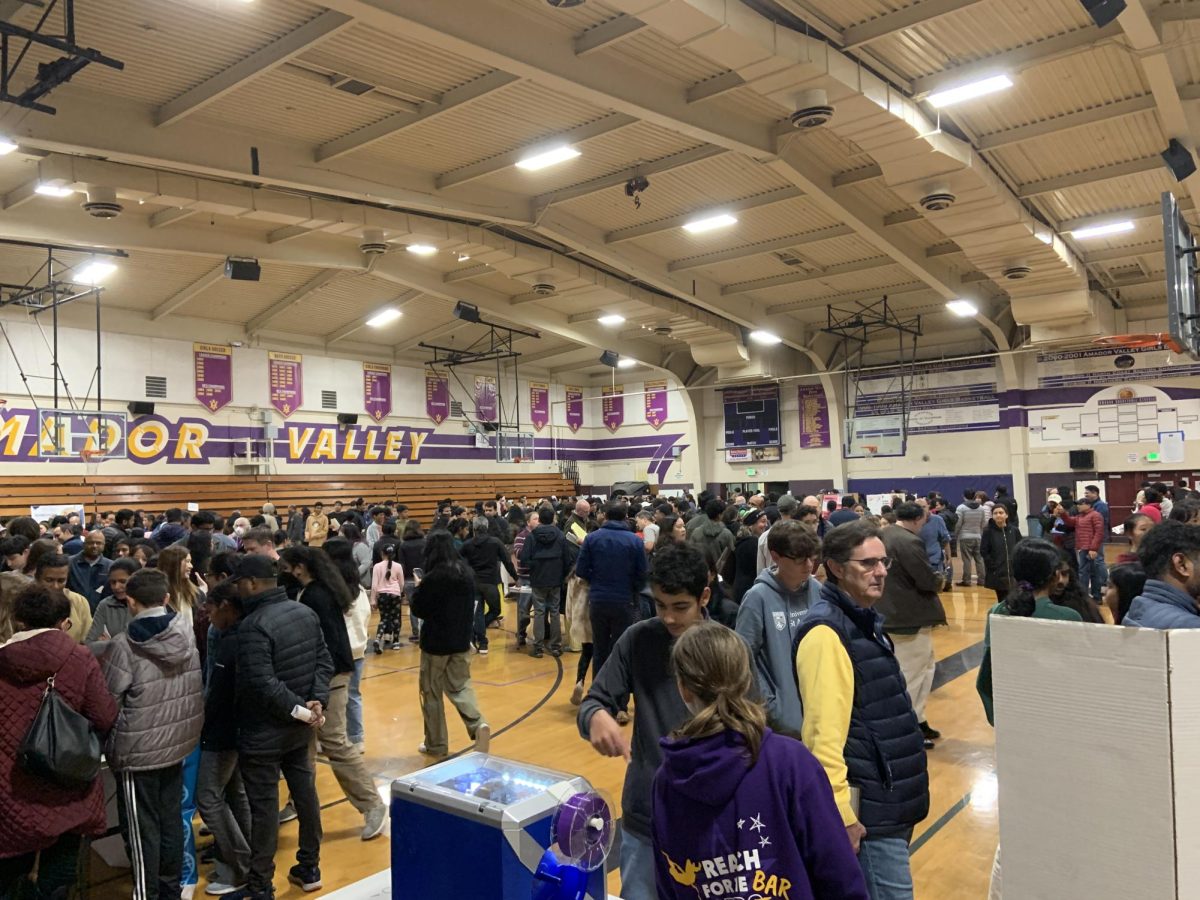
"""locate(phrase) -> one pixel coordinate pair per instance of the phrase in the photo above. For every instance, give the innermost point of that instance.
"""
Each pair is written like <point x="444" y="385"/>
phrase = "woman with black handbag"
<point x="43" y="817"/>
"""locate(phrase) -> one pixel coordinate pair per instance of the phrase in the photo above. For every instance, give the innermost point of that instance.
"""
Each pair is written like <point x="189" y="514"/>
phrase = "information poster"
<point x="437" y="396"/>
<point x="613" y="406"/>
<point x="487" y="405"/>
<point x="656" y="403"/>
<point x="213" y="364"/>
<point x="1111" y="366"/>
<point x="814" y="418"/>
<point x="377" y="390"/>
<point x="943" y="397"/>
<point x="539" y="404"/>
<point x="574" y="408"/>
<point x="286" y="374"/>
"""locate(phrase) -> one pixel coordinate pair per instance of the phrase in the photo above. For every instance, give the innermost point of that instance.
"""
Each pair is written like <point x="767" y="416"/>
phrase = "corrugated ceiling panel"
<point x="849" y="282"/>
<point x="845" y="13"/>
<point x="1108" y="196"/>
<point x="747" y="101"/>
<point x="340" y="302"/>
<point x="240" y="301"/>
<point x="649" y="51"/>
<point x="145" y="280"/>
<point x="570" y="20"/>
<point x="513" y="117"/>
<point x="169" y="46"/>
<point x="289" y="105"/>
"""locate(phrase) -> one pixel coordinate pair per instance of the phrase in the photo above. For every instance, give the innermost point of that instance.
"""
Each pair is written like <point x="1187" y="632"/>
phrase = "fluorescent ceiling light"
<point x="1094" y="231"/>
<point x="53" y="190"/>
<point x="544" y="159"/>
<point x="422" y="249"/>
<point x="611" y="320"/>
<point x="765" y="337"/>
<point x="384" y="317"/>
<point x="6" y="146"/>
<point x="95" y="272"/>
<point x="709" y="223"/>
<point x="962" y="308"/>
<point x="626" y="363"/>
<point x="970" y="91"/>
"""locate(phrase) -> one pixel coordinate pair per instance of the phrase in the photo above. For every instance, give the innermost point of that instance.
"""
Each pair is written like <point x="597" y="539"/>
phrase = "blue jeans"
<point x="354" y="722"/>
<point x="1093" y="574"/>
<point x="884" y="863"/>
<point x="191" y="775"/>
<point x="637" y="868"/>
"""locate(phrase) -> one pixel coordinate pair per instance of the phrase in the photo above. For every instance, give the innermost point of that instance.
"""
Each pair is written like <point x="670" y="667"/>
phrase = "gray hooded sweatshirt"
<point x="768" y="619"/>
<point x="972" y="518"/>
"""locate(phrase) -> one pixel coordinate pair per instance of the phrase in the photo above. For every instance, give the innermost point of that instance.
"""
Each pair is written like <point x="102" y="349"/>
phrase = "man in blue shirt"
<point x="936" y="536"/>
<point x="1092" y="493"/>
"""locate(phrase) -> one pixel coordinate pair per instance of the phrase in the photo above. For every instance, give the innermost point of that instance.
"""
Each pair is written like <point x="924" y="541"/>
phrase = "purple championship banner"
<point x="286" y="377"/>
<point x="213" y="364"/>
<point x="437" y="396"/>
<point x="539" y="404"/>
<point x="814" y="418"/>
<point x="486" y="405"/>
<point x="574" y="408"/>
<point x="656" y="403"/>
<point x="613" y="406"/>
<point x="377" y="390"/>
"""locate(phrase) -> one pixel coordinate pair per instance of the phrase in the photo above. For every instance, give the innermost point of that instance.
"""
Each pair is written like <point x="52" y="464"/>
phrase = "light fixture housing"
<point x="7" y="146"/>
<point x="626" y="363"/>
<point x="1095" y="231"/>
<point x="612" y="320"/>
<point x="422" y="249"/>
<point x="95" y="271"/>
<point x="384" y="317"/>
<point x="53" y="190"/>
<point x="969" y="91"/>
<point x="710" y="222"/>
<point x="610" y="358"/>
<point x="766" y="338"/>
<point x="547" y="157"/>
<point x="467" y="312"/>
<point x="962" y="308"/>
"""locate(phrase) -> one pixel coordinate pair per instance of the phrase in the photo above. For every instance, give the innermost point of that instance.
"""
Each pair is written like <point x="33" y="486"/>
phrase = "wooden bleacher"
<point x="247" y="493"/>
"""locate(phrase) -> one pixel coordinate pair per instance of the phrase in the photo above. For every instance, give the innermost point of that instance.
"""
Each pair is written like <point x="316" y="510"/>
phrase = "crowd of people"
<point x="779" y="656"/>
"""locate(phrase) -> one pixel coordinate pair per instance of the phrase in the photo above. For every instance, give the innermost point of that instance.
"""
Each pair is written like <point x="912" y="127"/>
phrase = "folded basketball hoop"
<point x="1162" y="341"/>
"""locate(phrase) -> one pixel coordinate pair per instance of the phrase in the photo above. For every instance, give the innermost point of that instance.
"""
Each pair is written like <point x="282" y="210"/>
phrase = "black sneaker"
<point x="307" y="878"/>
<point x="376" y="648"/>
<point x="929" y="733"/>
<point x="928" y="744"/>
<point x="536" y="654"/>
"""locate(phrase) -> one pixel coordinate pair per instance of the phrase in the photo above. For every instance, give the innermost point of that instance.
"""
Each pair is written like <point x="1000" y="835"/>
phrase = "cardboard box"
<point x="1098" y="760"/>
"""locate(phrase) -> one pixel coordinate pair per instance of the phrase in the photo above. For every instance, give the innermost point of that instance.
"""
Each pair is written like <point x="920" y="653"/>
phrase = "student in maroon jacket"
<point x="40" y="822"/>
<point x="1089" y="545"/>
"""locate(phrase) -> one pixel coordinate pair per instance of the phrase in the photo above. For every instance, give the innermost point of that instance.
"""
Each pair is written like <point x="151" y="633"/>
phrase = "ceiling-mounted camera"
<point x="634" y="188"/>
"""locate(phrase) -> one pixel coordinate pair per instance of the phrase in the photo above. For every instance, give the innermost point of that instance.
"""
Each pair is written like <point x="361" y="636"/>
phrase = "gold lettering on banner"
<point x="349" y="451"/>
<point x="369" y="451"/>
<point x="326" y="446"/>
<point x="417" y="438"/>
<point x="394" y="446"/>
<point x="190" y="443"/>
<point x="296" y="450"/>
<point x="155" y="430"/>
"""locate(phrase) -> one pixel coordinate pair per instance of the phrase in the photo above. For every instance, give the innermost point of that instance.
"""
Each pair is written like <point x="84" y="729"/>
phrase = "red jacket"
<point x="1089" y="529"/>
<point x="35" y="812"/>
<point x="1153" y="510"/>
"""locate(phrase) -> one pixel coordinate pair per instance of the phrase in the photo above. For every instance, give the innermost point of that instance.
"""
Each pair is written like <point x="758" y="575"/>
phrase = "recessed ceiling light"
<point x="422" y="249"/>
<point x="53" y="190"/>
<point x="6" y="146"/>
<point x="765" y="337"/>
<point x="962" y="308"/>
<point x="543" y="159"/>
<point x="709" y="223"/>
<point x="384" y="317"/>
<point x="964" y="92"/>
<point x="95" y="272"/>
<point x="626" y="363"/>
<point x="1081" y="234"/>
<point x="611" y="320"/>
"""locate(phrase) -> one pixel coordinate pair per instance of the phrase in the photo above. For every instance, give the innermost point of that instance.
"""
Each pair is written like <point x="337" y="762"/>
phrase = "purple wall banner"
<point x="286" y="372"/>
<point x="656" y="403"/>
<point x="613" y="405"/>
<point x="214" y="375"/>
<point x="437" y="396"/>
<point x="814" y="418"/>
<point x="539" y="404"/>
<point x="377" y="390"/>
<point x="486" y="405"/>
<point x="574" y="408"/>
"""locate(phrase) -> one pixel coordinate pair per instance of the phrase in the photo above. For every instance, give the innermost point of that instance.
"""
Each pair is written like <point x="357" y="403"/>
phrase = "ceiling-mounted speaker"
<point x="609" y="358"/>
<point x="140" y="408"/>
<point x="242" y="269"/>
<point x="347" y="418"/>
<point x="1103" y="12"/>
<point x="1179" y="160"/>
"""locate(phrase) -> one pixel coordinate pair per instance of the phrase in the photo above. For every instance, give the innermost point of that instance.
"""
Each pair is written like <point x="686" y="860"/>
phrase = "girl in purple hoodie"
<point x="739" y="811"/>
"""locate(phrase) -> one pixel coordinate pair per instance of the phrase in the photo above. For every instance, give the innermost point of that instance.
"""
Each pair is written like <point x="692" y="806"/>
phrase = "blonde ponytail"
<point x="713" y="663"/>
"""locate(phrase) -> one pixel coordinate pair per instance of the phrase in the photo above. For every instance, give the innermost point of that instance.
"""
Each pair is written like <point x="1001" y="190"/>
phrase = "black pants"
<point x="609" y="621"/>
<point x="490" y="593"/>
<point x="585" y="660"/>
<point x="57" y="865"/>
<point x="149" y="807"/>
<point x="260" y="775"/>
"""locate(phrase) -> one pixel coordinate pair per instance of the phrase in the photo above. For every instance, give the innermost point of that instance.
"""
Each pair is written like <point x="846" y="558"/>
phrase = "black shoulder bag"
<point x="61" y="745"/>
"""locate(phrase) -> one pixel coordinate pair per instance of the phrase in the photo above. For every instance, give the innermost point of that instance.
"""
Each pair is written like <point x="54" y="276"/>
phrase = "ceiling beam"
<point x="779" y="195"/>
<point x="275" y="310"/>
<point x="907" y="293"/>
<point x="483" y="168"/>
<point x="428" y="335"/>
<point x="1060" y="124"/>
<point x="165" y="217"/>
<point x="258" y="63"/>
<point x="608" y="34"/>
<point x="751" y="250"/>
<point x="715" y="87"/>
<point x="858" y="176"/>
<point x="529" y="359"/>
<point x="1018" y="59"/>
<point x="1136" y="213"/>
<point x="1184" y="11"/>
<point x="287" y="233"/>
<point x="901" y="20"/>
<point x="20" y="195"/>
<point x="361" y="322"/>
<point x="180" y="299"/>
<point x="604" y="182"/>
<point x="397" y="122"/>
<point x="1114" y="254"/>
<point x="336" y="71"/>
<point x="466" y="273"/>
<point x="762" y="284"/>
<point x="1091" y="176"/>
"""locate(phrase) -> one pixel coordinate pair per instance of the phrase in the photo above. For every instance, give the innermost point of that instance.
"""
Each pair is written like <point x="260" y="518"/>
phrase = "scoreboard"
<point x="752" y="416"/>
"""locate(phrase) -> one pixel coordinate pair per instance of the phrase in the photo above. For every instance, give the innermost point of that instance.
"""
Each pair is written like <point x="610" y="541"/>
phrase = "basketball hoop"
<point x="1144" y="341"/>
<point x="92" y="457"/>
<point x="870" y="450"/>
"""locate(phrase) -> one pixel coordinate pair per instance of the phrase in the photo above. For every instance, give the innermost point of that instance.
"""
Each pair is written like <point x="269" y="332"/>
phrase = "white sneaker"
<point x="373" y="822"/>
<point x="288" y="813"/>
<point x="483" y="738"/>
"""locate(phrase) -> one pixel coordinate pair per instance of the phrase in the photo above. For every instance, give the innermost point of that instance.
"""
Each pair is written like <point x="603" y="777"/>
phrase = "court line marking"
<point x="941" y="823"/>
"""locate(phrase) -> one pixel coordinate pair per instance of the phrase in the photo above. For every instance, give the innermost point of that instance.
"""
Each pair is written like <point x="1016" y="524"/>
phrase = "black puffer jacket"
<point x="445" y="603"/>
<point x="997" y="547"/>
<point x="411" y="555"/>
<point x="546" y="556"/>
<point x="282" y="662"/>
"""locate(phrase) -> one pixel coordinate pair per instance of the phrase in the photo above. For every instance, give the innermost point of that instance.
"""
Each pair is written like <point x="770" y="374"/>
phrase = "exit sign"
<point x="1154" y="457"/>
<point x="752" y="471"/>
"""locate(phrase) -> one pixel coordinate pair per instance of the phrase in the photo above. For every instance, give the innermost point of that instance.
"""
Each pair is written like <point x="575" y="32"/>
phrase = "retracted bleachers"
<point x="224" y="494"/>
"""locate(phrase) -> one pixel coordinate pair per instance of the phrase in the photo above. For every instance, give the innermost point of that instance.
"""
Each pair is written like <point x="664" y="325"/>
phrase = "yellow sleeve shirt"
<point x="826" y="679"/>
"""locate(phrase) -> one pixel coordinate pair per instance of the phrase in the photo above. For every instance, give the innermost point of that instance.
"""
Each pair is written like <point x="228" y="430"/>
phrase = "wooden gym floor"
<point x="528" y="706"/>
